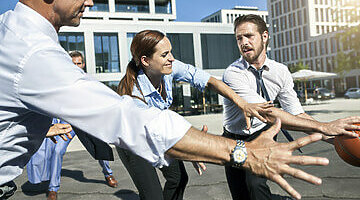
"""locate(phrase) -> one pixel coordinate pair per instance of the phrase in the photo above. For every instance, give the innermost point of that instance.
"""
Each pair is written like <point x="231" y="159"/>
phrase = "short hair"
<point x="76" y="54"/>
<point x="255" y="19"/>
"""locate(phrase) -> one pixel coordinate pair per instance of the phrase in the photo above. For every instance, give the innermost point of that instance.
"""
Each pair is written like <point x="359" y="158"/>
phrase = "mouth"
<point x="247" y="50"/>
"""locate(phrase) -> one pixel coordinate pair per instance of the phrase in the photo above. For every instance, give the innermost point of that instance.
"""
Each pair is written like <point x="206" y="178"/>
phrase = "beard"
<point x="257" y="51"/>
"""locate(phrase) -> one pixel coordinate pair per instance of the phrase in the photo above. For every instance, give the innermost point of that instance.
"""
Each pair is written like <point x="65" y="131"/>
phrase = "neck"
<point x="259" y="62"/>
<point x="154" y="79"/>
<point x="44" y="9"/>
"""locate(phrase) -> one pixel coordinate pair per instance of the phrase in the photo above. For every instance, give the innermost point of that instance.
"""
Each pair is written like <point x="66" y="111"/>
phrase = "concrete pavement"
<point x="82" y="177"/>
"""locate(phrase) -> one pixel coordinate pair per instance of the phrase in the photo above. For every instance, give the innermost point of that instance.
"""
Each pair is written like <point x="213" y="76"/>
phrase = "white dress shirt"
<point x="38" y="81"/>
<point x="278" y="82"/>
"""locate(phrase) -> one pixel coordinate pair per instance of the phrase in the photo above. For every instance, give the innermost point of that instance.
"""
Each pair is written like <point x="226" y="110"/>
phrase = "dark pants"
<point x="147" y="181"/>
<point x="243" y="184"/>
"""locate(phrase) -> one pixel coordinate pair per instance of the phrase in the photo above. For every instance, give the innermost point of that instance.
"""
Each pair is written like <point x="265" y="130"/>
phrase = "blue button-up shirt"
<point x="181" y="72"/>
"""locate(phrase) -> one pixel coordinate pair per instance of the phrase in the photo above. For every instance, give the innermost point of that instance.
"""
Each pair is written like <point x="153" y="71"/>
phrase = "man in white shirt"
<point x="256" y="78"/>
<point x="37" y="79"/>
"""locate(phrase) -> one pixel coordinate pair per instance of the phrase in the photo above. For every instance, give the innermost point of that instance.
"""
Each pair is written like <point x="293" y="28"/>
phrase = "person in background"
<point x="46" y="163"/>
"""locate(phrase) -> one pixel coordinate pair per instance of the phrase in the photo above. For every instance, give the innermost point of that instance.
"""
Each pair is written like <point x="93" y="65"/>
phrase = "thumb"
<point x="274" y="129"/>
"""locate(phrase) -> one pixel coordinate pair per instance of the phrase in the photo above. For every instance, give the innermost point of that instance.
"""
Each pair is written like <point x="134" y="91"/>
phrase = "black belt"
<point x="234" y="136"/>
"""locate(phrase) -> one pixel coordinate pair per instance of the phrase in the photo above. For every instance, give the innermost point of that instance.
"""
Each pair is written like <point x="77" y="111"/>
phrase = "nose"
<point x="89" y="3"/>
<point x="171" y="58"/>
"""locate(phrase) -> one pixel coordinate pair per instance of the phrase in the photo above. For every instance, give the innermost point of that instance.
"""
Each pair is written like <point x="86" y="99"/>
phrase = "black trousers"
<point x="147" y="181"/>
<point x="243" y="184"/>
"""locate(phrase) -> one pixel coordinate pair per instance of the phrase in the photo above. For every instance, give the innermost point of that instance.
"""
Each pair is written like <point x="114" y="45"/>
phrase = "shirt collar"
<point x="37" y="20"/>
<point x="144" y="83"/>
<point x="266" y="65"/>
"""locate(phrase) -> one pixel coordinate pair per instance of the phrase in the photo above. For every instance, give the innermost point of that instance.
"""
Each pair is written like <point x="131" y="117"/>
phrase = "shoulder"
<point x="234" y="69"/>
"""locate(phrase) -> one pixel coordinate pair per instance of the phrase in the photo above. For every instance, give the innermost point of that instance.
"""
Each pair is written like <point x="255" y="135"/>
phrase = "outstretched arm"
<point x="306" y="123"/>
<point x="265" y="157"/>
<point x="257" y="110"/>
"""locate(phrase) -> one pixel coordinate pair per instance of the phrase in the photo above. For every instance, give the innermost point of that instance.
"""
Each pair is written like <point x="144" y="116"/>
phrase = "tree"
<point x="298" y="66"/>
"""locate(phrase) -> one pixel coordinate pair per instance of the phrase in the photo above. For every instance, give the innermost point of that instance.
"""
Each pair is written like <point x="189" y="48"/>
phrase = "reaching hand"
<point x="258" y="110"/>
<point x="272" y="160"/>
<point x="342" y="127"/>
<point x="200" y="165"/>
<point x="61" y="130"/>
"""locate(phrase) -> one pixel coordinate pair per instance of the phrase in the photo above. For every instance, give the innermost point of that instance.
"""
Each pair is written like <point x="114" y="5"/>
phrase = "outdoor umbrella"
<point x="306" y="74"/>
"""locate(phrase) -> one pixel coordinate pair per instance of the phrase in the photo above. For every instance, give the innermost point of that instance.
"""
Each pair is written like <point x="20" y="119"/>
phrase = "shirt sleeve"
<point x="287" y="96"/>
<point x="51" y="85"/>
<point x="239" y="82"/>
<point x="185" y="72"/>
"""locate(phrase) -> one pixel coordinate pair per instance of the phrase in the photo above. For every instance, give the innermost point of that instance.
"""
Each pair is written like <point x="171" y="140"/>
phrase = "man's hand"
<point x="272" y="160"/>
<point x="342" y="127"/>
<point x="258" y="110"/>
<point x="200" y="165"/>
<point x="61" y="130"/>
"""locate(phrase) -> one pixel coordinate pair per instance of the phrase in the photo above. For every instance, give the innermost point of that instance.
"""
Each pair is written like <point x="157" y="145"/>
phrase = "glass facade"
<point x="129" y="38"/>
<point x="100" y="5"/>
<point x="73" y="42"/>
<point x="106" y="52"/>
<point x="182" y="47"/>
<point x="134" y="6"/>
<point x="112" y="84"/>
<point x="218" y="50"/>
<point x="163" y="6"/>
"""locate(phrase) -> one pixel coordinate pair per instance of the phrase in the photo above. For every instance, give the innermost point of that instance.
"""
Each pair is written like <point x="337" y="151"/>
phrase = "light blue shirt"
<point x="38" y="81"/>
<point x="181" y="72"/>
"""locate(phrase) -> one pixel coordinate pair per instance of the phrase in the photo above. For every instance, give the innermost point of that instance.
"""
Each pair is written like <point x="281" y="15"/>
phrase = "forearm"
<point x="225" y="91"/>
<point x="200" y="146"/>
<point x="302" y="122"/>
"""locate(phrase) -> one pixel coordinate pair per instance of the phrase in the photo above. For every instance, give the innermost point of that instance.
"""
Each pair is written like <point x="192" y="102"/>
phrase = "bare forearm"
<point x="225" y="91"/>
<point x="297" y="123"/>
<point x="200" y="146"/>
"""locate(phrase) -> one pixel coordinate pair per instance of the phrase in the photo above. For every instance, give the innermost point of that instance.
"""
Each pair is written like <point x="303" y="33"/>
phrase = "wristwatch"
<point x="238" y="155"/>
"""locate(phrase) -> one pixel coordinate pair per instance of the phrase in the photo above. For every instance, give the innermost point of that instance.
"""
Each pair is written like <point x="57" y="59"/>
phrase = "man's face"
<point x="78" y="62"/>
<point x="251" y="43"/>
<point x="69" y="12"/>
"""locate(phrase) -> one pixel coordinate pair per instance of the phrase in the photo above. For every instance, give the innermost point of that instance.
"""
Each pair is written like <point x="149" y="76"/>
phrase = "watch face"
<point x="239" y="156"/>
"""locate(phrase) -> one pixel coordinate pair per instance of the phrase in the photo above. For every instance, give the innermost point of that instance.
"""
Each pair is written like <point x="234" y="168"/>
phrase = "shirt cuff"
<point x="166" y="134"/>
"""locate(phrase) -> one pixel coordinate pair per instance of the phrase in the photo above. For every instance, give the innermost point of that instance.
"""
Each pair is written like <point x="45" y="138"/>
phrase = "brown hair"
<point x="76" y="54"/>
<point x="143" y="44"/>
<point x="255" y="19"/>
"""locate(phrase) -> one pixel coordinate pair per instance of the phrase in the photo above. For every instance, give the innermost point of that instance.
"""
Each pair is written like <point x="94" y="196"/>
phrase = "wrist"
<point x="238" y="155"/>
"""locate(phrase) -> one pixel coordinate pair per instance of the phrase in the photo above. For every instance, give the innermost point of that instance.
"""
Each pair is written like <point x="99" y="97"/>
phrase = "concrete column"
<point x="112" y="6"/>
<point x="197" y="50"/>
<point x="90" y="52"/>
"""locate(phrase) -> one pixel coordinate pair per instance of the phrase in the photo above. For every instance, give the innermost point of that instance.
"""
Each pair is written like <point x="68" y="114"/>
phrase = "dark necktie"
<point x="261" y="86"/>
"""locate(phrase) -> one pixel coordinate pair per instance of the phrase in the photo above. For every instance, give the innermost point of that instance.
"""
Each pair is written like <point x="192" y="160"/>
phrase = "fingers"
<point x="260" y="117"/>
<point x="202" y="166"/>
<point x="197" y="168"/>
<point x="304" y="141"/>
<point x="274" y="129"/>
<point x="286" y="186"/>
<point x="69" y="136"/>
<point x="52" y="138"/>
<point x="299" y="174"/>
<point x="248" y="122"/>
<point x="307" y="160"/>
<point x="204" y="129"/>
<point x="63" y="137"/>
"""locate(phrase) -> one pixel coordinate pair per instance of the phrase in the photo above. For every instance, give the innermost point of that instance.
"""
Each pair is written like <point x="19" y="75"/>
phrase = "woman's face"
<point x="160" y="63"/>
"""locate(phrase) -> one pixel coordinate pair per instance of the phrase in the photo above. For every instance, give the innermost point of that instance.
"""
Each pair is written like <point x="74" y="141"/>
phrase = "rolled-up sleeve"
<point x="51" y="85"/>
<point x="185" y="72"/>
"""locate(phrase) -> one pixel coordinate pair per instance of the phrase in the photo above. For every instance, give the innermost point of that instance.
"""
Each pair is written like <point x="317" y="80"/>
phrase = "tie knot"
<point x="257" y="73"/>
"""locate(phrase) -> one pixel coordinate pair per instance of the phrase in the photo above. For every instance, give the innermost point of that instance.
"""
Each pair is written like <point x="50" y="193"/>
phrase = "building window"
<point x="132" y="6"/>
<point x="182" y="46"/>
<point x="106" y="52"/>
<point x="218" y="50"/>
<point x="163" y="6"/>
<point x="100" y="5"/>
<point x="72" y="42"/>
<point x="112" y="84"/>
<point x="129" y="39"/>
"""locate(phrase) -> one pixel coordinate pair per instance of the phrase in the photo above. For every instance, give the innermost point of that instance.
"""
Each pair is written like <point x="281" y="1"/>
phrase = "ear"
<point x="265" y="36"/>
<point x="144" y="61"/>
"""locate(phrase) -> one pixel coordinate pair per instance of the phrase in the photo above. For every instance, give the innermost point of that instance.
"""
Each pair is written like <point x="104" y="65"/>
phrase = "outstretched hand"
<point x="63" y="130"/>
<point x="272" y="160"/>
<point x="342" y="127"/>
<point x="200" y="165"/>
<point x="258" y="110"/>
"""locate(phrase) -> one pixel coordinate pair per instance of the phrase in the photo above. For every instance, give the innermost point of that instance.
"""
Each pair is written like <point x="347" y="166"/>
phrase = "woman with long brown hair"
<point x="149" y="77"/>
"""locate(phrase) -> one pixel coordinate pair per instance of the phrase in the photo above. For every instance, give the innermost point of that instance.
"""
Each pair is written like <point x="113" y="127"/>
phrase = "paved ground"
<point x="82" y="178"/>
